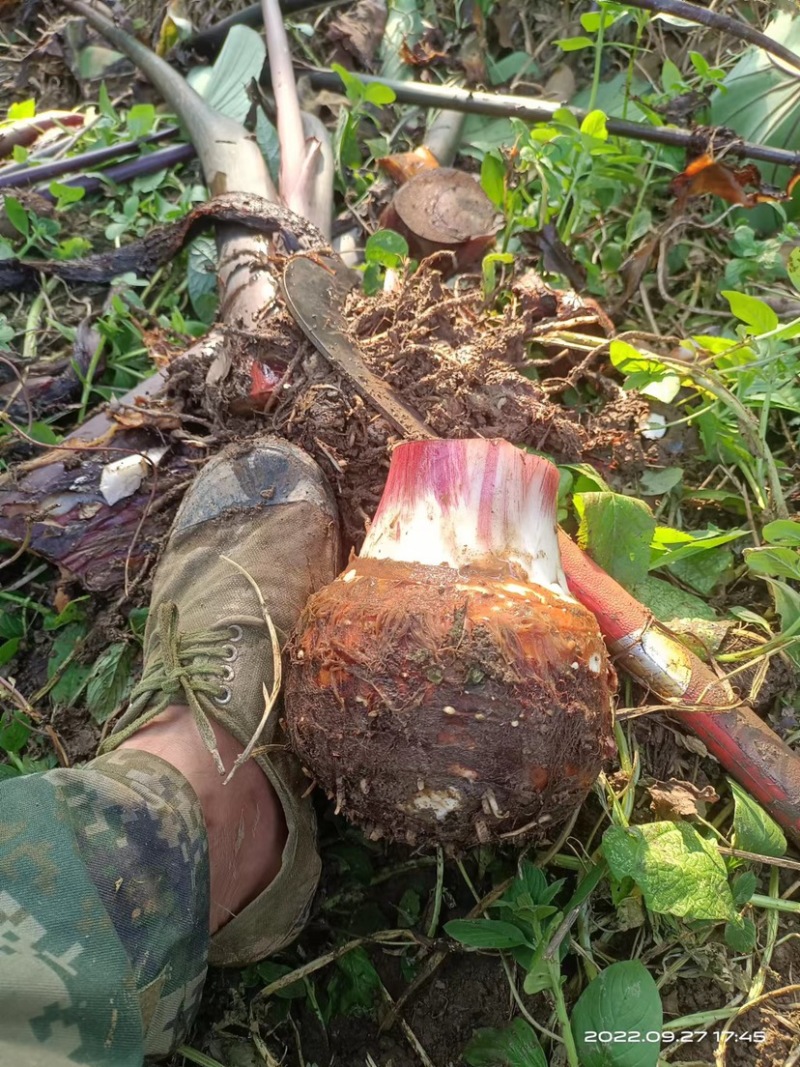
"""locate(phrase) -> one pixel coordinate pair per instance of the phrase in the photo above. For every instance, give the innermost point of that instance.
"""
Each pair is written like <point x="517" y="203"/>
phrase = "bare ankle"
<point x="244" y="820"/>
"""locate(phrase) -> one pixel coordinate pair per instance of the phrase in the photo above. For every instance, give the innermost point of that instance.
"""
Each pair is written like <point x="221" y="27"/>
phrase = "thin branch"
<point x="23" y="174"/>
<point x="532" y="109"/>
<point x="717" y="21"/>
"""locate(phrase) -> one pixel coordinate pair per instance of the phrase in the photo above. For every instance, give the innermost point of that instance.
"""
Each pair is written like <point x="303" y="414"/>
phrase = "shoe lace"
<point x="188" y="668"/>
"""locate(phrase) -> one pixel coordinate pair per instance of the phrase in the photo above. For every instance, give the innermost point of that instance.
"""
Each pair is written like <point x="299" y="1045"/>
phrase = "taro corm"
<point x="447" y="688"/>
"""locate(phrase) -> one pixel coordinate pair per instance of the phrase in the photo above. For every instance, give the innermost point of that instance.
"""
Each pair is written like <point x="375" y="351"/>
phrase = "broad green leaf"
<point x="109" y="681"/>
<point x="73" y="680"/>
<point x="510" y="66"/>
<point x="645" y="373"/>
<point x="354" y="986"/>
<point x="201" y="278"/>
<point x="386" y="248"/>
<point x="140" y="119"/>
<point x="704" y="571"/>
<point x="762" y="97"/>
<point x="225" y="85"/>
<point x="485" y="933"/>
<point x="655" y="482"/>
<point x="623" y="999"/>
<point x="616" y="531"/>
<point x="787" y="605"/>
<point x="688" y="544"/>
<point x="17" y="215"/>
<point x="743" y="886"/>
<point x="755" y="830"/>
<point x="752" y="311"/>
<point x="15" y="729"/>
<point x="9" y="649"/>
<point x="774" y="562"/>
<point x="403" y="29"/>
<point x="515" y="1045"/>
<point x="493" y="178"/>
<point x="667" y="601"/>
<point x="677" y="870"/>
<point x="740" y="935"/>
<point x="481" y="134"/>
<point x="782" y="532"/>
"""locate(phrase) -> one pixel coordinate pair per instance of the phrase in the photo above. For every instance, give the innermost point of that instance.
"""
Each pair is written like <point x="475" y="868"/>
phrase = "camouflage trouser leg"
<point x="103" y="913"/>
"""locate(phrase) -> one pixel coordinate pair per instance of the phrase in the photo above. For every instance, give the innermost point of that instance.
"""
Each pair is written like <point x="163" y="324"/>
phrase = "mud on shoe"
<point x="256" y="534"/>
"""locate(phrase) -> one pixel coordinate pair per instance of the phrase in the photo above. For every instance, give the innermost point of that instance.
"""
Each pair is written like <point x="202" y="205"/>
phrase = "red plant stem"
<point x="745" y="746"/>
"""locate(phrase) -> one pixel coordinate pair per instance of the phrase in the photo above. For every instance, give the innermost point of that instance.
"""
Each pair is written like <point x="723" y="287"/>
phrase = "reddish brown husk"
<point x="410" y="692"/>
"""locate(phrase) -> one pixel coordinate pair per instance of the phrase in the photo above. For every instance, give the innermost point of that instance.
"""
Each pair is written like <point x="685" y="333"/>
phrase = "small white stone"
<point x="594" y="663"/>
<point x="654" y="427"/>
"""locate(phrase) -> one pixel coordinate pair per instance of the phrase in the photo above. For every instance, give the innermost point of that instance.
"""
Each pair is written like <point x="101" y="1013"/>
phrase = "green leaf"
<point x="72" y="682"/>
<point x="9" y="649"/>
<point x="782" y="532"/>
<point x="616" y="531"/>
<point x="15" y="729"/>
<point x="409" y="909"/>
<point x="655" y="483"/>
<point x="73" y="612"/>
<point x="671" y="77"/>
<point x="353" y="85"/>
<point x="354" y="987"/>
<point x="752" y="311"/>
<point x="201" y="278"/>
<point x="386" y="248"/>
<point x="762" y="97"/>
<point x="379" y="95"/>
<point x="66" y="194"/>
<point x="740" y="935"/>
<point x="269" y="971"/>
<point x="623" y="998"/>
<point x="140" y="119"/>
<point x="787" y="605"/>
<point x="23" y="109"/>
<point x="485" y="933"/>
<point x="774" y="562"/>
<point x="573" y="44"/>
<point x="754" y="829"/>
<point x="705" y="571"/>
<point x="645" y="373"/>
<point x="510" y="1046"/>
<point x="793" y="267"/>
<point x="109" y="681"/>
<point x="743" y="886"/>
<point x="17" y="215"/>
<point x="225" y="85"/>
<point x="678" y="871"/>
<point x="493" y="178"/>
<point x="594" y="125"/>
<point x="667" y="601"/>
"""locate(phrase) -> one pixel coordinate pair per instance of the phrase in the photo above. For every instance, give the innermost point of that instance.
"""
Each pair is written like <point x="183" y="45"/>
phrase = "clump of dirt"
<point x="447" y="354"/>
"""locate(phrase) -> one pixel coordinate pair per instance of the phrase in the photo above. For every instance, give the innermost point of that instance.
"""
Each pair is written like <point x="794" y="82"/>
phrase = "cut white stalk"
<point x="470" y="504"/>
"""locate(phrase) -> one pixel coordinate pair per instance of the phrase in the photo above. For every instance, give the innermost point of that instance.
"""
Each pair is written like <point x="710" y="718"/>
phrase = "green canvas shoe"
<point x="257" y="533"/>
